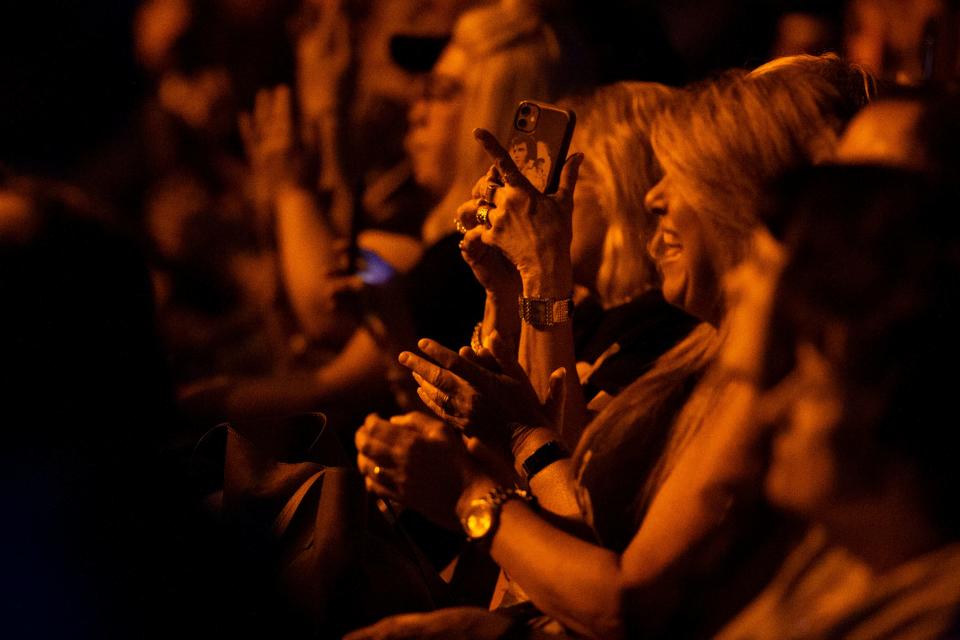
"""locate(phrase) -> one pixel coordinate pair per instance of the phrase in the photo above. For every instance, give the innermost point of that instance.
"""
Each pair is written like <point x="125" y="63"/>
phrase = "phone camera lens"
<point x="522" y="123"/>
<point x="525" y="110"/>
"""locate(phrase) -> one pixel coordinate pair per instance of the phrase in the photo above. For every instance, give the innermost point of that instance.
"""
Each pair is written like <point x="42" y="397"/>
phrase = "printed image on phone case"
<point x="539" y="142"/>
<point x="533" y="159"/>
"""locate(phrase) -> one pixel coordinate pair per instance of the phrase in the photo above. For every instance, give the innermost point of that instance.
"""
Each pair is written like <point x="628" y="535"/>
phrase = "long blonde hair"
<point x="745" y="133"/>
<point x="730" y="137"/>
<point x="613" y="131"/>
<point x="513" y="55"/>
<point x="723" y="141"/>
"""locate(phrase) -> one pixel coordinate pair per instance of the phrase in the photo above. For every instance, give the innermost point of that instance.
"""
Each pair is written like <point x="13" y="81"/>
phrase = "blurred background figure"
<point x="806" y="26"/>
<point x="99" y="535"/>
<point x="903" y="41"/>
<point x="853" y="390"/>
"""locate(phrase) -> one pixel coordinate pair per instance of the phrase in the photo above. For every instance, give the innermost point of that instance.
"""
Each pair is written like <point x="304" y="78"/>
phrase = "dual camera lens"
<point x="526" y="119"/>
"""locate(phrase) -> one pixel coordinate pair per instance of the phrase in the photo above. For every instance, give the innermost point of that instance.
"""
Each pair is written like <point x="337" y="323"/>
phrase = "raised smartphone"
<point x="539" y="141"/>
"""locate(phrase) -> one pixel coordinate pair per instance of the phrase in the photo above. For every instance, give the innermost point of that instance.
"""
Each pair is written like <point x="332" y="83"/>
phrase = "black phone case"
<point x="539" y="141"/>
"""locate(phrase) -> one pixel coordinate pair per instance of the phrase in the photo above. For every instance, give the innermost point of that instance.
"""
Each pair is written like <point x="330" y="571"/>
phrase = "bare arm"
<point x="308" y="251"/>
<point x="533" y="231"/>
<point x="545" y="350"/>
<point x="358" y="369"/>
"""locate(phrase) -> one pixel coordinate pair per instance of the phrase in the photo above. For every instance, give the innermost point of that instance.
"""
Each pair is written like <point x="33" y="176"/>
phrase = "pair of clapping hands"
<point x="484" y="405"/>
<point x="483" y="401"/>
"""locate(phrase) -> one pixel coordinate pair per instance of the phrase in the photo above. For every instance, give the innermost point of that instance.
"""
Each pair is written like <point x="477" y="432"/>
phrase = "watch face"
<point x="479" y="519"/>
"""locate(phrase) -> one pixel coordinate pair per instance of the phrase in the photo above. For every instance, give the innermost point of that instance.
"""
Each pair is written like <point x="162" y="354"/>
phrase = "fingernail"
<point x="423" y="343"/>
<point x="404" y="357"/>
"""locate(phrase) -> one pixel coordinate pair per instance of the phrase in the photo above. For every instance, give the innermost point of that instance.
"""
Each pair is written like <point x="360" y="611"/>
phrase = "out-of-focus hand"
<point x="455" y="623"/>
<point x="268" y="136"/>
<point x="323" y="57"/>
<point x="487" y="395"/>
<point x="417" y="460"/>
<point x="532" y="230"/>
<point x="749" y="292"/>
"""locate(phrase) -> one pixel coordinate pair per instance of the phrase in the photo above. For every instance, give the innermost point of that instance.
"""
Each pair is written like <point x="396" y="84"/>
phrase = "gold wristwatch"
<point x="483" y="515"/>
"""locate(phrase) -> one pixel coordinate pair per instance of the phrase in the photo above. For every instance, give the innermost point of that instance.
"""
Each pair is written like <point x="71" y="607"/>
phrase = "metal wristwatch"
<point x="483" y="515"/>
<point x="545" y="313"/>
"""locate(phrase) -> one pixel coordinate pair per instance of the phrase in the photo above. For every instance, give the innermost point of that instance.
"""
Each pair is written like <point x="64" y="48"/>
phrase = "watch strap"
<point x="545" y="455"/>
<point x="545" y="313"/>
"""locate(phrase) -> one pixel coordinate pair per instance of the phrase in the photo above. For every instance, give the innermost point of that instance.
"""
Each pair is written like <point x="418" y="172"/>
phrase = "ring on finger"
<point x="462" y="230"/>
<point x="490" y="193"/>
<point x="483" y="215"/>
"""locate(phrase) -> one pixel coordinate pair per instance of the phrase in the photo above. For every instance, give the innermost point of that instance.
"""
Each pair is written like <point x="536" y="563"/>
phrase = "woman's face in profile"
<point x="686" y="251"/>
<point x="805" y="409"/>
<point x="435" y="116"/>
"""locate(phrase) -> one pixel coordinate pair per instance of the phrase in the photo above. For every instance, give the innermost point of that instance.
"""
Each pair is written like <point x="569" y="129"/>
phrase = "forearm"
<point x="357" y="369"/>
<point x="566" y="577"/>
<point x="307" y="249"/>
<point x="554" y="485"/>
<point x="333" y="176"/>
<point x="500" y="314"/>
<point x="542" y="351"/>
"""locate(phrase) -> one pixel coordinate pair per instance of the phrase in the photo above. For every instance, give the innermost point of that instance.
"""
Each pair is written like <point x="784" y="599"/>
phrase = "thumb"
<point x="568" y="180"/>
<point x="556" y="395"/>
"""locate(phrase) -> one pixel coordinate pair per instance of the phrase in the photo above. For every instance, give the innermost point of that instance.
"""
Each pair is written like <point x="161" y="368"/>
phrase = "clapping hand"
<point x="487" y="395"/>
<point x="418" y="461"/>
<point x="272" y="150"/>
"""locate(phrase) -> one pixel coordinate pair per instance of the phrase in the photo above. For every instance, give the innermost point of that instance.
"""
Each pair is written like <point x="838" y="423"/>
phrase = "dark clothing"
<point x="643" y="329"/>
<point x="446" y="300"/>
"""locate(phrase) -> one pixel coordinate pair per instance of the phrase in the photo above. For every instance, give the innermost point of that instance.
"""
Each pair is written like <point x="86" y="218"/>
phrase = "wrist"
<point x="527" y="440"/>
<point x="547" y="280"/>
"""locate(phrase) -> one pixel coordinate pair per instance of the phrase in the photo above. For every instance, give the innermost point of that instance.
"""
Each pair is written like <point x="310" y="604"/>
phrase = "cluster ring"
<point x="483" y="215"/>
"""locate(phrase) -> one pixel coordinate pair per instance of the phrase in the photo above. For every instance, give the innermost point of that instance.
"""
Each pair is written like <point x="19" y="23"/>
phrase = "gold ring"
<point x="377" y="470"/>
<point x="462" y="230"/>
<point x="483" y="213"/>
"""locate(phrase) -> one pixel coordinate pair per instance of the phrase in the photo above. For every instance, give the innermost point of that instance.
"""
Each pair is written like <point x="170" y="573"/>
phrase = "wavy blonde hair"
<point x="613" y="131"/>
<point x="730" y="137"/>
<point x="733" y="138"/>
<point x="513" y="55"/>
<point x="723" y="141"/>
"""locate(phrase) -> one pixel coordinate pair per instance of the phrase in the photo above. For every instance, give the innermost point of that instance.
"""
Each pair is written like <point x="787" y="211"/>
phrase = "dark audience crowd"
<point x="330" y="335"/>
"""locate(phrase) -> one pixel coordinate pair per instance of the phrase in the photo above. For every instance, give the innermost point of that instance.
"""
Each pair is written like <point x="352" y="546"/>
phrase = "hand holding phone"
<point x="532" y="229"/>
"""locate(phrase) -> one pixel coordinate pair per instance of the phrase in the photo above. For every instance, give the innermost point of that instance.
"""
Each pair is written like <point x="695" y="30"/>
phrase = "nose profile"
<point x="417" y="116"/>
<point x="655" y="201"/>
